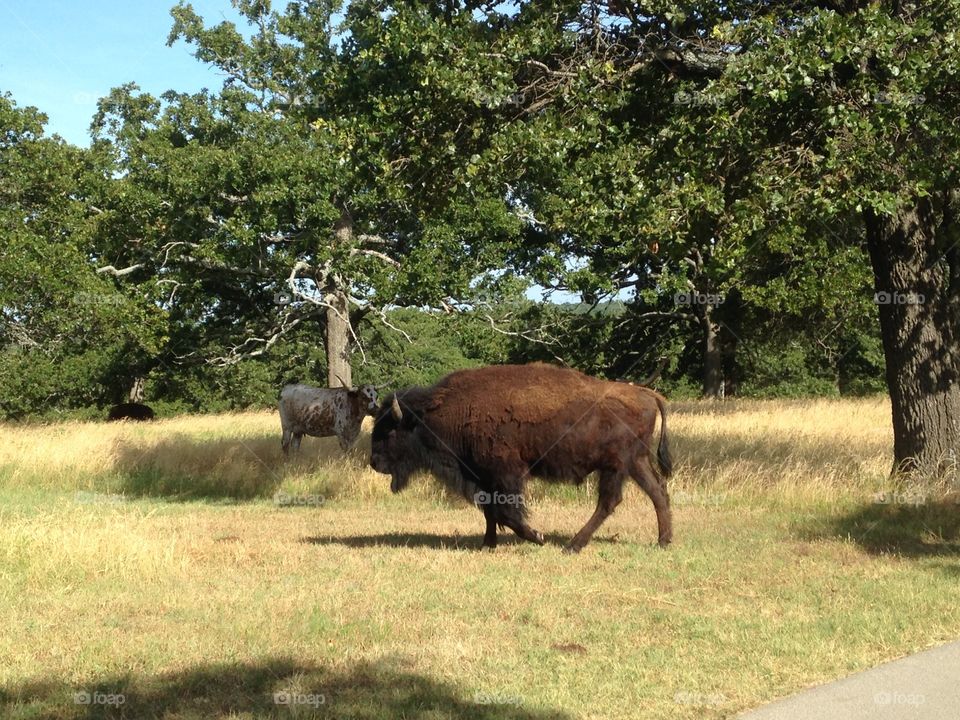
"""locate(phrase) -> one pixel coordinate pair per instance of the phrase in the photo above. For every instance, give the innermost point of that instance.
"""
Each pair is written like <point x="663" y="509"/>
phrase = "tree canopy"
<point x="744" y="187"/>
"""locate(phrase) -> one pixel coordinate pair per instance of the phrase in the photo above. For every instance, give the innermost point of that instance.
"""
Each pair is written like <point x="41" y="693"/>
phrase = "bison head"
<point x="403" y="443"/>
<point x="397" y="445"/>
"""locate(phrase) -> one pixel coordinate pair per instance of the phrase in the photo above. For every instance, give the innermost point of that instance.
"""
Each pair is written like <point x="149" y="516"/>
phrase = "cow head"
<point x="368" y="395"/>
<point x="395" y="448"/>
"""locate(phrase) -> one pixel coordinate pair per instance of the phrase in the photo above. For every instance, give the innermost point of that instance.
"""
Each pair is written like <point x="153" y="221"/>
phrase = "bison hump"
<point x="520" y="393"/>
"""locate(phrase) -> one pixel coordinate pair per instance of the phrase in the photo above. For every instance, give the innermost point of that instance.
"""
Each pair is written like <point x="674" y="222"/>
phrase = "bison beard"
<point x="483" y="432"/>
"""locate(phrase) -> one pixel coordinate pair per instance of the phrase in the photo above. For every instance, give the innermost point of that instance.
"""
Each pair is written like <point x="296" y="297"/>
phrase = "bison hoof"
<point x="572" y="550"/>
<point x="663" y="542"/>
<point x="538" y="537"/>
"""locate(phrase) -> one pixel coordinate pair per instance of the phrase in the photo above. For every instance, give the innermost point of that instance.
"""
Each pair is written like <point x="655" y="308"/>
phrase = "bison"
<point x="131" y="411"/>
<point x="484" y="431"/>
<point x="322" y="412"/>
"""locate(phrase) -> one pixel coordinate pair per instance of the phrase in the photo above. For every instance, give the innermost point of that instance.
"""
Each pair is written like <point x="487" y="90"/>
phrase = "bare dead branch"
<point x="374" y="253"/>
<point x="119" y="273"/>
<point x="550" y="71"/>
<point x="176" y="286"/>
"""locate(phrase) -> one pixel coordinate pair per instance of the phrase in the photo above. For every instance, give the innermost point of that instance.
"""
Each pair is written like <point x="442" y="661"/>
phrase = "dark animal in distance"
<point x="484" y="431"/>
<point x="131" y="411"/>
<point x="323" y="412"/>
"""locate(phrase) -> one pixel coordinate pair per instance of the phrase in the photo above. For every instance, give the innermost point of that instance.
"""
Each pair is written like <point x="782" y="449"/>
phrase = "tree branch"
<point x="119" y="273"/>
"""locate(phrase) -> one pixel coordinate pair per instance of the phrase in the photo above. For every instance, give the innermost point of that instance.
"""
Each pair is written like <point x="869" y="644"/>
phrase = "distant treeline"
<point x="764" y="359"/>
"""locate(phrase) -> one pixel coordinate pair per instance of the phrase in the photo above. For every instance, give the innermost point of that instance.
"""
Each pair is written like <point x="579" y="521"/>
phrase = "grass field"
<point x="181" y="569"/>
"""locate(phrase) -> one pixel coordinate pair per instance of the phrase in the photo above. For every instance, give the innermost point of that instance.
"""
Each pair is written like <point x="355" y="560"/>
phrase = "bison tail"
<point x="663" y="449"/>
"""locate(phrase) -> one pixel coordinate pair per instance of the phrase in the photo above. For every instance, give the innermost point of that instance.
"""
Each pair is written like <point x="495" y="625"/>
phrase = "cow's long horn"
<point x="395" y="410"/>
<point x="342" y="383"/>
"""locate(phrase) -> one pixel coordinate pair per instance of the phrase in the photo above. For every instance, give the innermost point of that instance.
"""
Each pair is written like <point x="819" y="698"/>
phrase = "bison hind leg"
<point x="648" y="479"/>
<point x="611" y="493"/>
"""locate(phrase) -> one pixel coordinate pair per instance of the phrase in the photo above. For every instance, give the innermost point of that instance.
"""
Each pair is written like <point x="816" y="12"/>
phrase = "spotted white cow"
<point x="322" y="412"/>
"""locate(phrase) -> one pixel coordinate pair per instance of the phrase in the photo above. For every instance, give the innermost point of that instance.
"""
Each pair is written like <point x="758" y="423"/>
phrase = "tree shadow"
<point x="433" y="541"/>
<point x="185" y="467"/>
<point x="911" y="530"/>
<point x="272" y="688"/>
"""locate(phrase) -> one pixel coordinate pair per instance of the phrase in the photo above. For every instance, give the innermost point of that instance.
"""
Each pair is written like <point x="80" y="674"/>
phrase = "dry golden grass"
<point x="149" y="560"/>
<point x="234" y="455"/>
<point x="732" y="446"/>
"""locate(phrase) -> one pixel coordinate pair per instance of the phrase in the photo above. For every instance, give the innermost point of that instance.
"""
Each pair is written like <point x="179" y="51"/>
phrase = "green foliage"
<point x="69" y="335"/>
<point x="432" y="351"/>
<point x="476" y="149"/>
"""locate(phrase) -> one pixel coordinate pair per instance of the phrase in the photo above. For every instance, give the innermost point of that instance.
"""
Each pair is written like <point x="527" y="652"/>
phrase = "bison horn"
<point x="395" y="410"/>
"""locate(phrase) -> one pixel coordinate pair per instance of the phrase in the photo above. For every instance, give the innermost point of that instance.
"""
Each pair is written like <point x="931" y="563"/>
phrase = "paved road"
<point x="924" y="686"/>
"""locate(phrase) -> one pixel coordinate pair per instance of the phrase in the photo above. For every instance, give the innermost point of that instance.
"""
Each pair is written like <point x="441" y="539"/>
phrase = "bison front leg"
<point x="611" y="493"/>
<point x="490" y="537"/>
<point x="512" y="514"/>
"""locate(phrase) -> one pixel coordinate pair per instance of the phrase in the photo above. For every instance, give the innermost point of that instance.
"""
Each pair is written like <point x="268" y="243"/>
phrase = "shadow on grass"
<point x="184" y="467"/>
<point x="382" y="690"/>
<point x="924" y="530"/>
<point x="438" y="542"/>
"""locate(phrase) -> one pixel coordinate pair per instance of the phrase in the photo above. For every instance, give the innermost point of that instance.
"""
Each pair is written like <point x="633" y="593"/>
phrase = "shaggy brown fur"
<point x="487" y="430"/>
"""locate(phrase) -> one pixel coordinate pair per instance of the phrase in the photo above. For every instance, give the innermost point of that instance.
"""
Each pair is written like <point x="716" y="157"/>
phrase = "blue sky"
<point x="62" y="55"/>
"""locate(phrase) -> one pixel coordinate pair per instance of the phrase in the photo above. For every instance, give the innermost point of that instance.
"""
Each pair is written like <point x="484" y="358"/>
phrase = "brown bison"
<point x="130" y="411"/>
<point x="483" y="432"/>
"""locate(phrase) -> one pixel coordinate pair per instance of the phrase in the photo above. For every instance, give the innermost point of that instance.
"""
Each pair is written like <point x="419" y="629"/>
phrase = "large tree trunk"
<point x="916" y="265"/>
<point x="338" y="340"/>
<point x="136" y="389"/>
<point x="338" y="332"/>
<point x="712" y="354"/>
